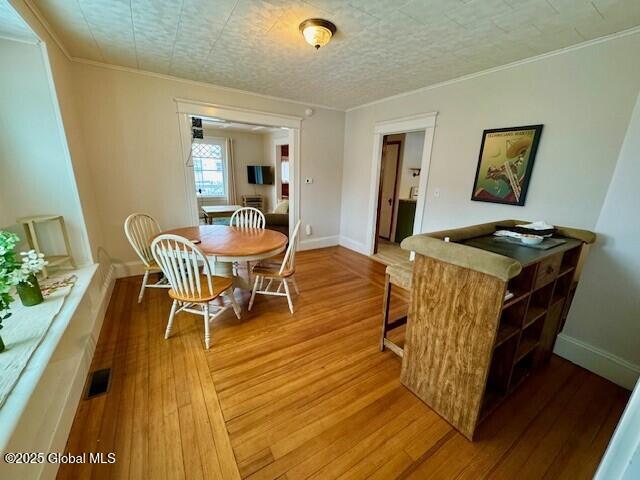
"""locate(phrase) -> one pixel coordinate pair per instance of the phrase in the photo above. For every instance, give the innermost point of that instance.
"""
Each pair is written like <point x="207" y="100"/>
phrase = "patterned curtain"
<point x="231" y="194"/>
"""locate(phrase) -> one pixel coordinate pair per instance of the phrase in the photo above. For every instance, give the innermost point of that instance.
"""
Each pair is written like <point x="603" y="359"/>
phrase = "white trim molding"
<point x="187" y="108"/>
<point x="598" y="361"/>
<point x="237" y="114"/>
<point x="352" y="244"/>
<point x="517" y="63"/>
<point x="128" y="269"/>
<point x="320" y="242"/>
<point x="411" y="123"/>
<point x="35" y="12"/>
<point x="622" y="457"/>
<point x="414" y="123"/>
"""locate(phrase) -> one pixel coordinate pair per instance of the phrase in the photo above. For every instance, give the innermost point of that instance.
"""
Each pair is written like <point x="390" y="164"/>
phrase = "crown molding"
<point x="47" y="27"/>
<point x="34" y="10"/>
<point x="43" y="22"/>
<point x="577" y="46"/>
<point x="198" y="83"/>
<point x="237" y="114"/>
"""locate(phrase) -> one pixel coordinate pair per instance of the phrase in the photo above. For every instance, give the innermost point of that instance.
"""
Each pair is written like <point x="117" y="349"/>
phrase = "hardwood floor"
<point x="390" y="253"/>
<point x="310" y="396"/>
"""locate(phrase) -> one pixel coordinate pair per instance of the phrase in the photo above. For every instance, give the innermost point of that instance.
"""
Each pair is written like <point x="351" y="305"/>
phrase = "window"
<point x="209" y="168"/>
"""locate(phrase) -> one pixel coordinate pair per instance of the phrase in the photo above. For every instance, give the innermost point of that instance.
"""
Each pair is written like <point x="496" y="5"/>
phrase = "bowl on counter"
<point x="528" y="239"/>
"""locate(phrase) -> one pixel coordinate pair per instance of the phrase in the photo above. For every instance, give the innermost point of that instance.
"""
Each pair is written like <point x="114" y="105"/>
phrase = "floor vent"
<point x="99" y="381"/>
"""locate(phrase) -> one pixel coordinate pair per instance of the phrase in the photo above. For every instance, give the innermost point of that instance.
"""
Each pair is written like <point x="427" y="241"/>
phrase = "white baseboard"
<point x="353" y="245"/>
<point x="602" y="363"/>
<point x="320" y="242"/>
<point x="128" y="269"/>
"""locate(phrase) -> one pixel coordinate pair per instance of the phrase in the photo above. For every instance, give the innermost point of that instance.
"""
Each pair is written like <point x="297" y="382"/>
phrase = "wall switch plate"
<point x="308" y="180"/>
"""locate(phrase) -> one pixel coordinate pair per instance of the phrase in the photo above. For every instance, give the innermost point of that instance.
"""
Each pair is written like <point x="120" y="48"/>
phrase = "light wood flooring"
<point x="390" y="253"/>
<point x="310" y="396"/>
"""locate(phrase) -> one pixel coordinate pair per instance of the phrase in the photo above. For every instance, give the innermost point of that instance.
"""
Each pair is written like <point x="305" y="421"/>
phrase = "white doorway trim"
<point x="415" y="123"/>
<point x="189" y="108"/>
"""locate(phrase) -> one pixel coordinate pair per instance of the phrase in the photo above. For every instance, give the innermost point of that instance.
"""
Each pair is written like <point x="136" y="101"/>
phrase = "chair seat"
<point x="400" y="274"/>
<point x="271" y="269"/>
<point x="220" y="284"/>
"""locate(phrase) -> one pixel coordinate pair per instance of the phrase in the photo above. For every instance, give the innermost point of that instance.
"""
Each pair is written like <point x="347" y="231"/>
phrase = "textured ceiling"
<point x="383" y="47"/>
<point x="12" y="26"/>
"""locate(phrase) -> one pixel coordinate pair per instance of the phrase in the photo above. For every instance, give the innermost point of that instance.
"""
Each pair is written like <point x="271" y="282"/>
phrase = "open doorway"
<point x="423" y="125"/>
<point x="231" y="162"/>
<point x="400" y="165"/>
<point x="282" y="170"/>
<point x="234" y="167"/>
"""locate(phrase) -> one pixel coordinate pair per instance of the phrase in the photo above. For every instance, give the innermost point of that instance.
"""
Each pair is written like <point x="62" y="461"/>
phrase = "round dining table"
<point x="224" y="245"/>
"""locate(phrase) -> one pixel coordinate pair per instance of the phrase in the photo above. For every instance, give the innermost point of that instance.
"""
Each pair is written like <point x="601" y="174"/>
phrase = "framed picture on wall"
<point x="505" y="164"/>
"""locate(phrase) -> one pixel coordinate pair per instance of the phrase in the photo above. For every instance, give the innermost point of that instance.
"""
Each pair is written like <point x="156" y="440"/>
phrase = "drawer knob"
<point x="549" y="270"/>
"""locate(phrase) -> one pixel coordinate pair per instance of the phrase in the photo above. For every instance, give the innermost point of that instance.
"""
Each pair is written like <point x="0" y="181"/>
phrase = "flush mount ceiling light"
<point x="317" y="32"/>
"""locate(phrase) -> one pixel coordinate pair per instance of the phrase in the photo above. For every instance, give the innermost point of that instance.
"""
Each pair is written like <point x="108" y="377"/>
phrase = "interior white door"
<point x="388" y="173"/>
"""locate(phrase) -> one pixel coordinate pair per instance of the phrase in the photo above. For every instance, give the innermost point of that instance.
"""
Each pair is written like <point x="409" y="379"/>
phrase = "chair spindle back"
<point x="140" y="229"/>
<point x="248" y="217"/>
<point x="181" y="262"/>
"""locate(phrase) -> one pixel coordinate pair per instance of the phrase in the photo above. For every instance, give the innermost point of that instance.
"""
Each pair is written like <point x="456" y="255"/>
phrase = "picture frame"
<point x="505" y="164"/>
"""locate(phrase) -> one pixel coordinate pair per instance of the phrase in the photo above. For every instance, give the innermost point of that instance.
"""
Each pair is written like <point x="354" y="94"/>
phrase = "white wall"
<point x="248" y="149"/>
<point x="584" y="98"/>
<point x="131" y="134"/>
<point x="37" y="176"/>
<point x="411" y="158"/>
<point x="606" y="309"/>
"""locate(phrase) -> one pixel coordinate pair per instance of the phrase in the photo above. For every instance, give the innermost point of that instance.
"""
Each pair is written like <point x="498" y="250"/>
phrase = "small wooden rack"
<point x="29" y="224"/>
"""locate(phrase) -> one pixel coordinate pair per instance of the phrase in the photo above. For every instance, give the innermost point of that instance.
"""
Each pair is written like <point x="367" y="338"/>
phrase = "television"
<point x="260" y="175"/>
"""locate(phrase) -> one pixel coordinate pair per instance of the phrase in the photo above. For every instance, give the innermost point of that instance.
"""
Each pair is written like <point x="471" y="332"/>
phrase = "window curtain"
<point x="231" y="193"/>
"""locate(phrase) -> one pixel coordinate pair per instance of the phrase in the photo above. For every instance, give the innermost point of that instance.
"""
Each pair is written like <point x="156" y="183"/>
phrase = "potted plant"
<point x="27" y="287"/>
<point x="8" y="267"/>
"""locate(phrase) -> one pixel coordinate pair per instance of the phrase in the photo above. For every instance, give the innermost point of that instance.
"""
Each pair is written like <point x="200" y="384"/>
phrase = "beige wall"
<point x="583" y="97"/>
<point x="130" y="130"/>
<point x="36" y="176"/>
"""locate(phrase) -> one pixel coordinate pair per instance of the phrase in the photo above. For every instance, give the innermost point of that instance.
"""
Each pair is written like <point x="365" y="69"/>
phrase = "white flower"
<point x="32" y="262"/>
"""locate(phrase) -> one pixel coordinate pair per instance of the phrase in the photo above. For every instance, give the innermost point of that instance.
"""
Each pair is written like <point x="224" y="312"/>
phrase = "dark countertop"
<point x="524" y="255"/>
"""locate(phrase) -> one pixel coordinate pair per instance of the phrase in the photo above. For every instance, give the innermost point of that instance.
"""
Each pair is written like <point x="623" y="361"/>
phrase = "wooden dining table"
<point x="224" y="245"/>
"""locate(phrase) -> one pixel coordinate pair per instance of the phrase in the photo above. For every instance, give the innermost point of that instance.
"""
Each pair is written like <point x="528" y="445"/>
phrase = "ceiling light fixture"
<point x="317" y="32"/>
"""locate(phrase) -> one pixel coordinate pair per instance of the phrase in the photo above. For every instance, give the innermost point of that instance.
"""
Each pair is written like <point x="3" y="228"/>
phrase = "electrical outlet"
<point x="308" y="229"/>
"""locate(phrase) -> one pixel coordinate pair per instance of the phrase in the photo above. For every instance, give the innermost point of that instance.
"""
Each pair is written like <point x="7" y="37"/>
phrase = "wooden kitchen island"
<point x="466" y="346"/>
